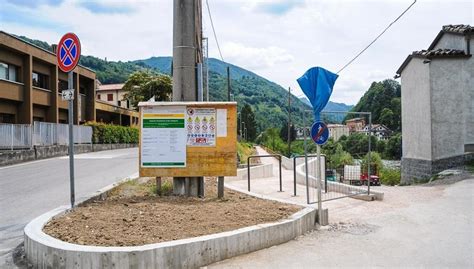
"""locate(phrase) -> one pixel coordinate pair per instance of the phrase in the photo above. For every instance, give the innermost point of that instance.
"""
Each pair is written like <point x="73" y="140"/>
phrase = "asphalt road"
<point x="30" y="189"/>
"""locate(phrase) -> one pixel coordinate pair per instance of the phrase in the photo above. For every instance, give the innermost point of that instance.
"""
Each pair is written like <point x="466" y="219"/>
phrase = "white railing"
<point x="46" y="134"/>
<point x="16" y="136"/>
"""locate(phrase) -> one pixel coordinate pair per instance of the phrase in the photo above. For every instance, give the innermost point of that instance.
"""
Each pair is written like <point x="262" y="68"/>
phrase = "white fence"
<point x="41" y="134"/>
<point x="15" y="136"/>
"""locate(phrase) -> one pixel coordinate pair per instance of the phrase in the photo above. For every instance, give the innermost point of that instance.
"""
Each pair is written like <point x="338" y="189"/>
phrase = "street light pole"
<point x="289" y="122"/>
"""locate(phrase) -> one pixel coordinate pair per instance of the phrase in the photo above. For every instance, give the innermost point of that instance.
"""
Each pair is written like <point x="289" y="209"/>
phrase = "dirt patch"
<point x="132" y="216"/>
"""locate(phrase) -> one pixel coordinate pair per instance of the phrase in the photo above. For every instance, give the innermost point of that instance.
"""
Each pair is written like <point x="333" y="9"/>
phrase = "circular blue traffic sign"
<point x="319" y="133"/>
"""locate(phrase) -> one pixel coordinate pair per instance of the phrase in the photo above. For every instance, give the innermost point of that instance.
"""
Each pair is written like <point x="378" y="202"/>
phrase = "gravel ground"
<point x="131" y="216"/>
<point x="422" y="226"/>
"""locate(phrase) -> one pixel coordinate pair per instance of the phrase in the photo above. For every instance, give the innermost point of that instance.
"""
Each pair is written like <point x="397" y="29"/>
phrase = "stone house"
<point x="438" y="104"/>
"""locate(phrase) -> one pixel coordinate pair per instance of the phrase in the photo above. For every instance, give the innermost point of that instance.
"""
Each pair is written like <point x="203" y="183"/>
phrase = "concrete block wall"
<point x="9" y="157"/>
<point x="260" y="171"/>
<point x="416" y="169"/>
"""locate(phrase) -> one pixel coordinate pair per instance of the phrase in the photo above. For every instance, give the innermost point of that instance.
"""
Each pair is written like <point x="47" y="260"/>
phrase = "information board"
<point x="188" y="139"/>
<point x="163" y="139"/>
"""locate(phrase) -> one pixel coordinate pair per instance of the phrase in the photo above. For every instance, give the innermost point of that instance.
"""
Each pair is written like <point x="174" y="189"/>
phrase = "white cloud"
<point x="255" y="58"/>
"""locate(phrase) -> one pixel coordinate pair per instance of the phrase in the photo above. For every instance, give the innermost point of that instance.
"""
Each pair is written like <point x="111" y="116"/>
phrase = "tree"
<point x="339" y="158"/>
<point x="379" y="97"/>
<point x="375" y="163"/>
<point x="394" y="147"/>
<point x="387" y="118"/>
<point x="380" y="146"/>
<point x="249" y="118"/>
<point x="357" y="144"/>
<point x="142" y="85"/>
<point x="284" y="132"/>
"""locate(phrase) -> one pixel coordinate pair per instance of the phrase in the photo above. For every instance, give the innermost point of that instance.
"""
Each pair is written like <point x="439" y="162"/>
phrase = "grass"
<point x="244" y="150"/>
<point x="470" y="166"/>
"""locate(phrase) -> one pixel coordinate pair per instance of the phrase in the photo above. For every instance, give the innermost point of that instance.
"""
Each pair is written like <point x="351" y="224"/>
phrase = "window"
<point x="62" y="85"/>
<point x="110" y="97"/>
<point x="7" y="118"/>
<point x="98" y="96"/>
<point x="119" y="103"/>
<point x="8" y="71"/>
<point x="40" y="80"/>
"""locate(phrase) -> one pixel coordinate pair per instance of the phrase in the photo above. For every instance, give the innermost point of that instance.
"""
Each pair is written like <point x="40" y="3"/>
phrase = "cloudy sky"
<point x="277" y="39"/>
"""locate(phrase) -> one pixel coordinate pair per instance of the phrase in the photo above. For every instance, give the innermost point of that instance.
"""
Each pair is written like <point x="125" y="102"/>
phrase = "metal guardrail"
<point x="294" y="170"/>
<point x="263" y="156"/>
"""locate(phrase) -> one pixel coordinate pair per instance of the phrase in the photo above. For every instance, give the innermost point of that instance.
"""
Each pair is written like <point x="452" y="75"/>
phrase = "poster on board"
<point x="163" y="136"/>
<point x="201" y="127"/>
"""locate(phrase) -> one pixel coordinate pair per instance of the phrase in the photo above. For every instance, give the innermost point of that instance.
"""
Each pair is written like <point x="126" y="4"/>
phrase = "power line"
<point x="357" y="56"/>
<point x="214" y="31"/>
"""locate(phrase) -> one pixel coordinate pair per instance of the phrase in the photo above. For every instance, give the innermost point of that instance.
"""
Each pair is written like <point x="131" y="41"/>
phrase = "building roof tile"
<point x="440" y="52"/>
<point x="458" y="28"/>
<point x="110" y="87"/>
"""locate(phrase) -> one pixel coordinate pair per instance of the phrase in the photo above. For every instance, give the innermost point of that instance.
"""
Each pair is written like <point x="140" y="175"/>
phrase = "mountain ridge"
<point x="268" y="100"/>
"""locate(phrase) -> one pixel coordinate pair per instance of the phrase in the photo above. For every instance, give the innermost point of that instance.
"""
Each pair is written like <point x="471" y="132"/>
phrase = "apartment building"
<point x="31" y="85"/>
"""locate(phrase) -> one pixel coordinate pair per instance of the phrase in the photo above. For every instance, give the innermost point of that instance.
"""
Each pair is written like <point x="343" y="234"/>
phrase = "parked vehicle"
<point x="331" y="175"/>
<point x="353" y="176"/>
<point x="374" y="180"/>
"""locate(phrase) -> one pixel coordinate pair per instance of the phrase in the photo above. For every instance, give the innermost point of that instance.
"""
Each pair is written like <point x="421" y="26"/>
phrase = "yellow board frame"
<point x="220" y="160"/>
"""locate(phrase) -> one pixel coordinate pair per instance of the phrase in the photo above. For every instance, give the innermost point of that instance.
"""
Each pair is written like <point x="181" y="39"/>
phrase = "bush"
<point x="390" y="176"/>
<point x="111" y="134"/>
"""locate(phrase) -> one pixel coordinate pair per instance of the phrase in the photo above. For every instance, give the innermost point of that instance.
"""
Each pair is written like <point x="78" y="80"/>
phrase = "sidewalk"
<point x="339" y="210"/>
<point x="414" y="226"/>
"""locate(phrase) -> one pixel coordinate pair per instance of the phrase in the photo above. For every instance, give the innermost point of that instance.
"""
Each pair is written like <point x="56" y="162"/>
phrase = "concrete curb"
<point x="44" y="251"/>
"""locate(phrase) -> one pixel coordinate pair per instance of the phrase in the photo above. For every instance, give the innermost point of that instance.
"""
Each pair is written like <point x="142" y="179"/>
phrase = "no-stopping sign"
<point x="68" y="52"/>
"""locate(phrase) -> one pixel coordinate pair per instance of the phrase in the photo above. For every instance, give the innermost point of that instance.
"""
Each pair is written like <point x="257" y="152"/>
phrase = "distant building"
<point x="438" y="104"/>
<point x="300" y="133"/>
<point x="338" y="130"/>
<point x="112" y="94"/>
<point x="380" y="131"/>
<point x="355" y="124"/>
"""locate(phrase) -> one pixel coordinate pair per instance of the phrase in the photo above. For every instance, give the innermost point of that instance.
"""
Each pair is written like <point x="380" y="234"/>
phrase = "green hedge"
<point x="112" y="134"/>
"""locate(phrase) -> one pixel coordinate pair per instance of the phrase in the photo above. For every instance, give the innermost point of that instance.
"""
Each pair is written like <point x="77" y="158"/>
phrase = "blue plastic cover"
<point x="317" y="84"/>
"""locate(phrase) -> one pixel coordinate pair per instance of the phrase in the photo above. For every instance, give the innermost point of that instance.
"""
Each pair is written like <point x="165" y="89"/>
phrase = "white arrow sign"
<point x="67" y="94"/>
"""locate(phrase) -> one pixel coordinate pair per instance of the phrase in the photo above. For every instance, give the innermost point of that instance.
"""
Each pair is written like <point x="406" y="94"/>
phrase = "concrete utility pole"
<point x="187" y="33"/>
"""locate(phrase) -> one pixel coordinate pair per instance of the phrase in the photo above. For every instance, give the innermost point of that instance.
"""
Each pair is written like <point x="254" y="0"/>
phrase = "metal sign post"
<point x="70" y="107"/>
<point x="320" y="135"/>
<point x="67" y="55"/>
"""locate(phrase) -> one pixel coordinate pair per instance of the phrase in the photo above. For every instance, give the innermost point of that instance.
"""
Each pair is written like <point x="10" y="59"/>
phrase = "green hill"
<point x="383" y="100"/>
<point x="268" y="100"/>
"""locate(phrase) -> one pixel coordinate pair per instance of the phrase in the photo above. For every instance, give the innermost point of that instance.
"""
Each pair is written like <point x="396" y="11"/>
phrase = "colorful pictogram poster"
<point x="201" y="127"/>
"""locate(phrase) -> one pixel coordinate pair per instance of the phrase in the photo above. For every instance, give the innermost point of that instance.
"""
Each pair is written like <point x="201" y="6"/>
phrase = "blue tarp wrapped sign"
<point x="317" y="84"/>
